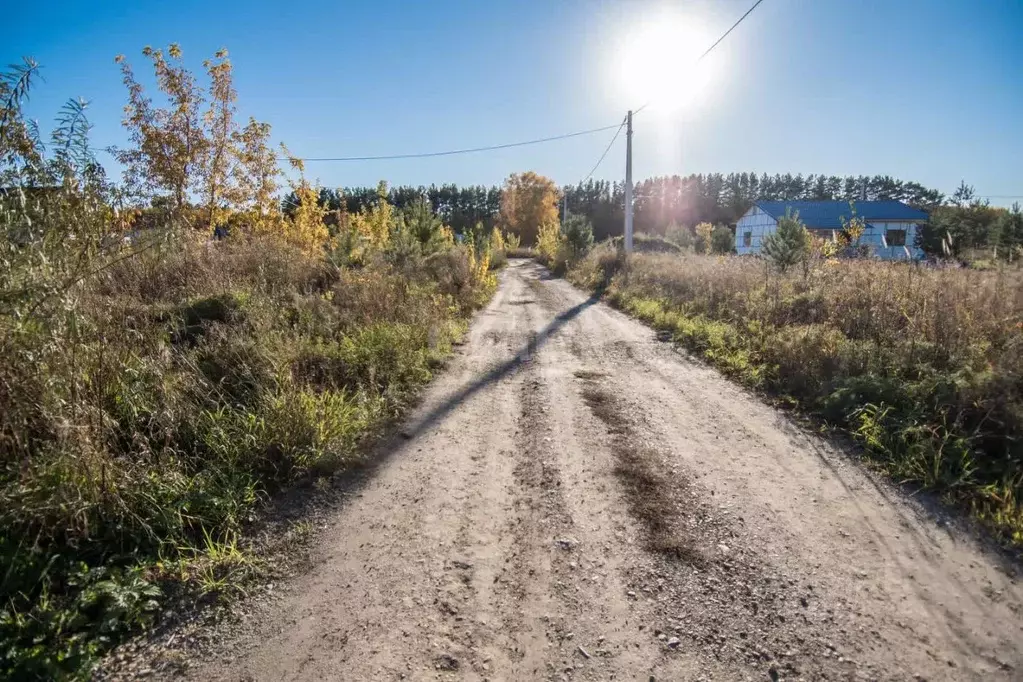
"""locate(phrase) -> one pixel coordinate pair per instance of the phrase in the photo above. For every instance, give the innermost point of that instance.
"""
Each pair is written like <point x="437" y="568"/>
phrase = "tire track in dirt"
<point x="615" y="624"/>
<point x="717" y="591"/>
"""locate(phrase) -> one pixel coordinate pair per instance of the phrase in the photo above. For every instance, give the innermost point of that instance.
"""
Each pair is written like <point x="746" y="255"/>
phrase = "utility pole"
<point x="564" y="208"/>
<point x="628" y="183"/>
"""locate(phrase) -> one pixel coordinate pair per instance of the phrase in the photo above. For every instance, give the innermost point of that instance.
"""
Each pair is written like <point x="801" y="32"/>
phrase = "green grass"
<point x="141" y="431"/>
<point x="922" y="367"/>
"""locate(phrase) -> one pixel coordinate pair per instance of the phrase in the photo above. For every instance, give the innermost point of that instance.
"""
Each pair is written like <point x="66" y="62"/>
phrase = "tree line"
<point x="676" y="205"/>
<point x="460" y="208"/>
<point x="659" y="201"/>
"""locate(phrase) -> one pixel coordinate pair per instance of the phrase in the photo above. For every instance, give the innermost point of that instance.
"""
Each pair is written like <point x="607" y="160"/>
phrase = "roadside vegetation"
<point x="922" y="365"/>
<point x="158" y="384"/>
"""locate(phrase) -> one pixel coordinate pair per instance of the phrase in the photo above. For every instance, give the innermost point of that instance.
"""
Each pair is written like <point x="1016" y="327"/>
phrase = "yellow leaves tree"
<point x="511" y="241"/>
<point x="496" y="239"/>
<point x="257" y="176"/>
<point x="704" y="233"/>
<point x="168" y="143"/>
<point x="219" y="192"/>
<point x="528" y="200"/>
<point x="374" y="224"/>
<point x="549" y="240"/>
<point x="191" y="150"/>
<point x="305" y="227"/>
<point x="479" y="265"/>
<point x="447" y="237"/>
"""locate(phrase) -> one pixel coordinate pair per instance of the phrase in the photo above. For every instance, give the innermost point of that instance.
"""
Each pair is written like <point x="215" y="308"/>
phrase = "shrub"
<point x="681" y="236"/>
<point x="184" y="415"/>
<point x="512" y="242"/>
<point x="604" y="262"/>
<point x="704" y="232"/>
<point x="548" y="241"/>
<point x="722" y="240"/>
<point x="498" y="259"/>
<point x="648" y="243"/>
<point x="156" y="387"/>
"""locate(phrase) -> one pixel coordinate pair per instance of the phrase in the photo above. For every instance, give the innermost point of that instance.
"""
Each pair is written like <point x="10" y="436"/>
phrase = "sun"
<point x="659" y="63"/>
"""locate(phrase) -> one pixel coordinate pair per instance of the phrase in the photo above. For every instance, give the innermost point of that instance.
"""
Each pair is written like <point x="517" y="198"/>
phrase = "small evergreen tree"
<point x="1008" y="232"/>
<point x="578" y="234"/>
<point x="421" y="221"/>
<point x="788" y="245"/>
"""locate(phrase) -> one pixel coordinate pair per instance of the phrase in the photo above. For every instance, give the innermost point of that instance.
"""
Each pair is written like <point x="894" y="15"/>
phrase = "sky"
<point x="924" y="90"/>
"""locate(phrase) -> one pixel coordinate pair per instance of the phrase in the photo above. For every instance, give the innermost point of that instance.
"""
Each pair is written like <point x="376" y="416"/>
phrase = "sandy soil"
<point x="575" y="500"/>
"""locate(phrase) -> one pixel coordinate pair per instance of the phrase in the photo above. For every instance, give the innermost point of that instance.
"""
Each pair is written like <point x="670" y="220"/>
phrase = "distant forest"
<point x="659" y="202"/>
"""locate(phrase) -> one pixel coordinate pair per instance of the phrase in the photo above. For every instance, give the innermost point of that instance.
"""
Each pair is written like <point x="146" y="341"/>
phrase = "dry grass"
<point x="142" y="425"/>
<point x="923" y="365"/>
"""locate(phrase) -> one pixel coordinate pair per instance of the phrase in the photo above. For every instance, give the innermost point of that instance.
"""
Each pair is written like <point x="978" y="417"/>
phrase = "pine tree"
<point x="789" y="244"/>
<point x="578" y="234"/>
<point x="1008" y="233"/>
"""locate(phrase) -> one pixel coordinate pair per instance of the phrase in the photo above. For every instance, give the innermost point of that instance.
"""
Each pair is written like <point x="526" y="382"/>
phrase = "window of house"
<point x="747" y="239"/>
<point x="895" y="237"/>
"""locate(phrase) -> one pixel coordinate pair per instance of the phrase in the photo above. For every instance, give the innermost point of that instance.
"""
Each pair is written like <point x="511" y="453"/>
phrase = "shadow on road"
<point x="497" y="373"/>
<point x="297" y="502"/>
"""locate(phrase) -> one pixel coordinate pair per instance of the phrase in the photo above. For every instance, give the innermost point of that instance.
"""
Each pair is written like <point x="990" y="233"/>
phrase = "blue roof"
<point x="827" y="215"/>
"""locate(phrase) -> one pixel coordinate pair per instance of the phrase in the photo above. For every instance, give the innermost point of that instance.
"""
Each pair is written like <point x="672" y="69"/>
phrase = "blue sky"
<point x="925" y="90"/>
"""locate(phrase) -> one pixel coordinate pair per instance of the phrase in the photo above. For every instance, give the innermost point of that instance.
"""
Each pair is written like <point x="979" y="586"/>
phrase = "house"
<point x="890" y="232"/>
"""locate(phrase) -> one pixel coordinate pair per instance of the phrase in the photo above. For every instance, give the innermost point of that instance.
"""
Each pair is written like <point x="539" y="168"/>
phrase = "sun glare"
<point x="658" y="63"/>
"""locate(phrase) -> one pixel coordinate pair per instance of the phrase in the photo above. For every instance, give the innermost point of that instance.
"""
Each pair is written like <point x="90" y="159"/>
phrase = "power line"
<point x="716" y="43"/>
<point x="493" y="147"/>
<point x="452" y="152"/>
<point x="541" y="140"/>
<point x="602" y="156"/>
<point x="424" y="155"/>
<point x="564" y="199"/>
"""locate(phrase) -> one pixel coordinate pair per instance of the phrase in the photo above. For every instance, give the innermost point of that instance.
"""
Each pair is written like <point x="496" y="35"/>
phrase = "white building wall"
<point x="872" y="236"/>
<point x="759" y="224"/>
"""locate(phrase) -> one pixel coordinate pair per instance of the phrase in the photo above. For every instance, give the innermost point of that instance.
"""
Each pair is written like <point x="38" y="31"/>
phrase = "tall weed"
<point x="180" y="392"/>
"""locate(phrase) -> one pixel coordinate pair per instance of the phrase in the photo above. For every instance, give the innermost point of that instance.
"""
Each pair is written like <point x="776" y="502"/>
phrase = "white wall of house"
<point x="875" y="231"/>
<point x="757" y="224"/>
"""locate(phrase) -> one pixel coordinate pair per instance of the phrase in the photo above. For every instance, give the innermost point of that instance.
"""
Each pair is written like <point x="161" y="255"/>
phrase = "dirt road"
<point x="575" y="500"/>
